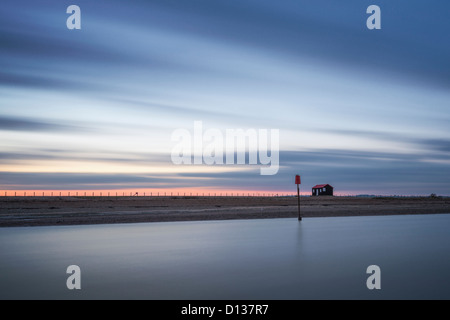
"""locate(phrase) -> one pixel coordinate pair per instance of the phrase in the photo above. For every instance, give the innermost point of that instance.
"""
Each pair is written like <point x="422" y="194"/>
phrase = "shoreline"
<point x="53" y="211"/>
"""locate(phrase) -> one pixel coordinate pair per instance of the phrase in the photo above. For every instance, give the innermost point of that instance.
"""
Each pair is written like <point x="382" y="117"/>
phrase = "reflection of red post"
<point x="297" y="182"/>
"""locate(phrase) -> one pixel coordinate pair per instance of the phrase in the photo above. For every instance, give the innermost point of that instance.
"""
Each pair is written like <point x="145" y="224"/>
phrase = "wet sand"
<point x="40" y="211"/>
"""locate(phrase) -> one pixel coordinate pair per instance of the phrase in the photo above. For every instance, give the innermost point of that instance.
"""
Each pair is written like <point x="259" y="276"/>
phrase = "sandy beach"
<point x="40" y="211"/>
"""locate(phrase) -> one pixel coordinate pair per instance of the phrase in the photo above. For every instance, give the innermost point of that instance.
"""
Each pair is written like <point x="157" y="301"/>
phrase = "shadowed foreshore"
<point x="40" y="211"/>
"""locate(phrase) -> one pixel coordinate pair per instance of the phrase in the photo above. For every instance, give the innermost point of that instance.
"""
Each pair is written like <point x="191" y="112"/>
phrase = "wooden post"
<point x="298" y="182"/>
<point x="298" y="197"/>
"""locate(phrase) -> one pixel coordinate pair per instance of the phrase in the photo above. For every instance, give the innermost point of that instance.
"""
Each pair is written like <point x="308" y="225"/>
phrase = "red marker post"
<point x="298" y="182"/>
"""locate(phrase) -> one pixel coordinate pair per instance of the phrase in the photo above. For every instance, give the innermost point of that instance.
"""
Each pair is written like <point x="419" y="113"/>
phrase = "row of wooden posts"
<point x="152" y="194"/>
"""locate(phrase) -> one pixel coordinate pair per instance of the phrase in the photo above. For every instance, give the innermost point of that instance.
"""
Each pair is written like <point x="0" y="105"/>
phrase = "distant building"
<point x="322" y="190"/>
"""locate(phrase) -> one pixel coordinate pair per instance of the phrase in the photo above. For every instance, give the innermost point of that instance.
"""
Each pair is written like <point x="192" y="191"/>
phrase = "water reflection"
<point x="317" y="258"/>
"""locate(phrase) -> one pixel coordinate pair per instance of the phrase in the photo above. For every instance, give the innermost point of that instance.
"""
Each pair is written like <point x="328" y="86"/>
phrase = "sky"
<point x="94" y="109"/>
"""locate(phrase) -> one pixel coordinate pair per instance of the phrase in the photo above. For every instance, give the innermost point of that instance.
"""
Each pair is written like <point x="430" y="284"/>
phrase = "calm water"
<point x="318" y="258"/>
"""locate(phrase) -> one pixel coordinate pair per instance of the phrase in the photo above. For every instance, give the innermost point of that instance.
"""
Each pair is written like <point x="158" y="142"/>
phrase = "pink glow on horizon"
<point x="174" y="192"/>
<point x="147" y="192"/>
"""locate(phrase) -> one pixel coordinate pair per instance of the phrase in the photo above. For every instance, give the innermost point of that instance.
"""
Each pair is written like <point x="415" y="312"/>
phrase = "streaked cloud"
<point x="28" y="124"/>
<point x="95" y="108"/>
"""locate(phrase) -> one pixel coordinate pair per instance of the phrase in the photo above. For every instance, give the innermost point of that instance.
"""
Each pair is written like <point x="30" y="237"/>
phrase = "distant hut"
<point x="322" y="190"/>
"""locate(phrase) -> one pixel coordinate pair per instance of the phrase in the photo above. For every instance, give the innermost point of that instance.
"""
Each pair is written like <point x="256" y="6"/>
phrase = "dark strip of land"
<point x="40" y="211"/>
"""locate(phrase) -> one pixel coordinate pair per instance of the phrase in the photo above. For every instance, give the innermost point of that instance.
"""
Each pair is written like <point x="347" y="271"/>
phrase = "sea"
<point x="371" y="257"/>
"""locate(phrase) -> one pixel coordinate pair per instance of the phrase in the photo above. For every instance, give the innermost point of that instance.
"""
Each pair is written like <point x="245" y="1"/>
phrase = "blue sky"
<point x="93" y="109"/>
